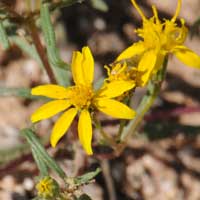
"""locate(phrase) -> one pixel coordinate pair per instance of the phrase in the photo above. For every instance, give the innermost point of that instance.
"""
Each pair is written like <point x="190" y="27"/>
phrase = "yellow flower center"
<point x="122" y="72"/>
<point x="47" y="187"/>
<point x="81" y="96"/>
<point x="151" y="33"/>
<point x="118" y="72"/>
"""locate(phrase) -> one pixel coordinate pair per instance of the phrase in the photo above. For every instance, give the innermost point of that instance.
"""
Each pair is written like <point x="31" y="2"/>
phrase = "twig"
<point x="108" y="179"/>
<point x="41" y="51"/>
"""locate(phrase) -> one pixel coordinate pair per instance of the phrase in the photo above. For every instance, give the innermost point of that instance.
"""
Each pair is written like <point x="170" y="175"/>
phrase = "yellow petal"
<point x="147" y="65"/>
<point x="88" y="65"/>
<point x="85" y="131"/>
<point x="51" y="91"/>
<point x="115" y="108"/>
<point x="187" y="56"/>
<point x="49" y="109"/>
<point x="133" y="50"/>
<point x="115" y="88"/>
<point x="77" y="68"/>
<point x="62" y="125"/>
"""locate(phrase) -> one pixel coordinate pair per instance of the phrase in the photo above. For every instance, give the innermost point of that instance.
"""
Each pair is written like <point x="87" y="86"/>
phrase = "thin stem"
<point x="105" y="166"/>
<point x="123" y="122"/>
<point x="104" y="134"/>
<point x="153" y="90"/>
<point x="41" y="51"/>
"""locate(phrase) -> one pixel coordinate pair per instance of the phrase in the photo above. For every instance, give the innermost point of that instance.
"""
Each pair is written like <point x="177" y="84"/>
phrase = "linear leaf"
<point x="41" y="152"/>
<point x="13" y="153"/>
<point x="52" y="51"/>
<point x="86" y="177"/>
<point x="3" y="37"/>
<point x="40" y="163"/>
<point x="27" y="48"/>
<point x="19" y="92"/>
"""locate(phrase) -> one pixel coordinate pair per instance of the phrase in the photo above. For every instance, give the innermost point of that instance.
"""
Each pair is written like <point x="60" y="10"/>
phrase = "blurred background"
<point x="162" y="162"/>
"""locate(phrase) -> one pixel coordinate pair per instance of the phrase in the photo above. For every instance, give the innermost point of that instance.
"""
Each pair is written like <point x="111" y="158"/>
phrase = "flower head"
<point x="47" y="188"/>
<point x="80" y="99"/>
<point x="159" y="38"/>
<point x="123" y="72"/>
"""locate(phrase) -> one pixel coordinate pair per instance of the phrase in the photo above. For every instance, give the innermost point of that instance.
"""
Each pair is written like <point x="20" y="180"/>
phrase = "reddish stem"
<point x="41" y="51"/>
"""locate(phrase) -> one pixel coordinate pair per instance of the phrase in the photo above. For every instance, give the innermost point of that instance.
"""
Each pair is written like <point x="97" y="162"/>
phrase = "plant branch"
<point x="41" y="51"/>
<point x="153" y="90"/>
<point x="107" y="138"/>
<point x="105" y="166"/>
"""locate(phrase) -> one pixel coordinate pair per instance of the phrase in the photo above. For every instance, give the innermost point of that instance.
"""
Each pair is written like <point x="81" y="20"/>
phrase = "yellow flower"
<point x="123" y="72"/>
<point x="47" y="188"/>
<point x="158" y="40"/>
<point x="81" y="99"/>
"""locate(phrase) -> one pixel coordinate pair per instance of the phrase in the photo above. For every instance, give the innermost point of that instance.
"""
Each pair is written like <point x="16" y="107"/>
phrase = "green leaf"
<point x="59" y="67"/>
<point x="86" y="178"/>
<point x="40" y="163"/>
<point x="3" y="37"/>
<point x="19" y="92"/>
<point x="99" y="5"/>
<point x="41" y="152"/>
<point x="27" y="48"/>
<point x="7" y="155"/>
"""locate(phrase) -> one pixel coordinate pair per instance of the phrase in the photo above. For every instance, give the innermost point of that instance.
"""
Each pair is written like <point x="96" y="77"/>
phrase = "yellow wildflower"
<point x="159" y="39"/>
<point x="81" y="99"/>
<point x="122" y="71"/>
<point x="47" y="188"/>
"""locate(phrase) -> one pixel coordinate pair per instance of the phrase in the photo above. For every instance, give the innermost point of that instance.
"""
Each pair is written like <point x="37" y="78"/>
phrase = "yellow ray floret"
<point x="158" y="39"/>
<point x="80" y="99"/>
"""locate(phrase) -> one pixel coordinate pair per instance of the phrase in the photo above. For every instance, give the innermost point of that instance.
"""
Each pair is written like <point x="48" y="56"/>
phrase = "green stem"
<point x="104" y="134"/>
<point x="123" y="122"/>
<point x="153" y="90"/>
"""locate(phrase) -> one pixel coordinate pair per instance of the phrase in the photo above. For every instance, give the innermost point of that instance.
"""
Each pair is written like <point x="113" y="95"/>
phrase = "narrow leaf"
<point x="26" y="48"/>
<point x="86" y="177"/>
<point x="3" y="37"/>
<point x="41" y="152"/>
<point x="40" y="163"/>
<point x="52" y="51"/>
<point x="19" y="92"/>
